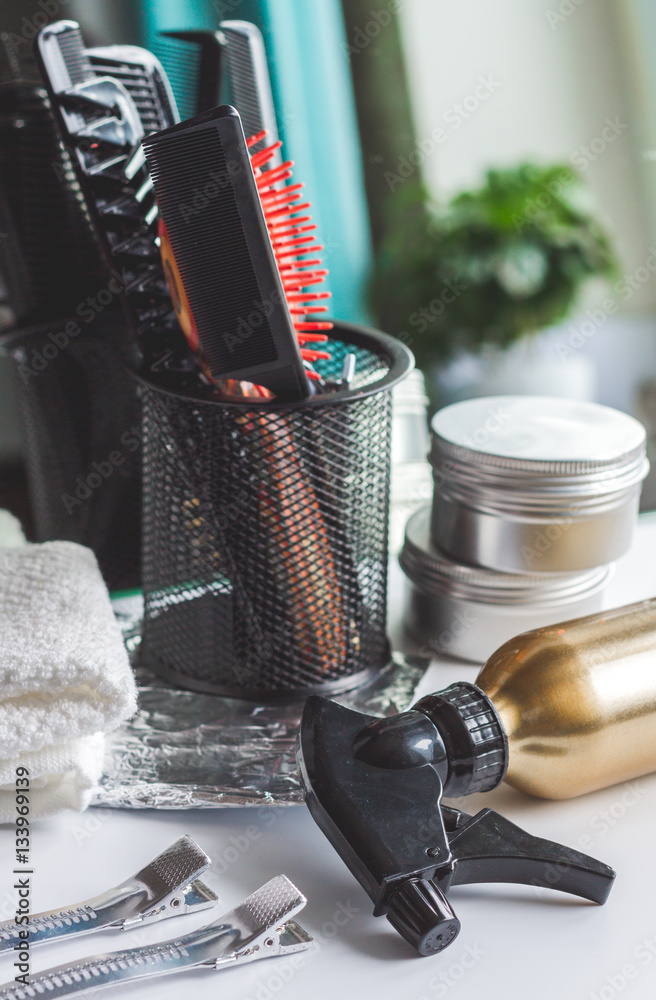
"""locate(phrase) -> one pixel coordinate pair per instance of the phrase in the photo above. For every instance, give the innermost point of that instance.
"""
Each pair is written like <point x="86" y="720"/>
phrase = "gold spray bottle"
<point x="577" y="701"/>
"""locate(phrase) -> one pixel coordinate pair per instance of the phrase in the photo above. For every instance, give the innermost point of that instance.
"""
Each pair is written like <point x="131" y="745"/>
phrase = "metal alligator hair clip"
<point x="167" y="887"/>
<point x="260" y="927"/>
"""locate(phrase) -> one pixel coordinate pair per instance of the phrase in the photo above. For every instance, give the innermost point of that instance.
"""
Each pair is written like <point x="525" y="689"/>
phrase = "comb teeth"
<point x="182" y="61"/>
<point x="75" y="59"/>
<point x="274" y="902"/>
<point x="174" y="867"/>
<point x="249" y="79"/>
<point x="143" y="78"/>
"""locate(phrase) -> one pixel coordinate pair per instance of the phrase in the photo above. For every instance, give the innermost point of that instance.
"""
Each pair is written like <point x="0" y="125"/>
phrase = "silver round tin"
<point x="468" y="612"/>
<point x="527" y="484"/>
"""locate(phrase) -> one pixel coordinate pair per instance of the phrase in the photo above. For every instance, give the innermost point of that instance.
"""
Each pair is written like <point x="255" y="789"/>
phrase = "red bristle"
<point x="296" y="285"/>
<point x="307" y="296"/>
<point x="291" y="244"/>
<point x="297" y="251"/>
<point x="292" y="230"/>
<point x="280" y="201"/>
<point x="311" y="338"/>
<point x="282" y="225"/>
<point x="254" y="139"/>
<point x="258" y="159"/>
<point x="287" y="210"/>
<point x="295" y="241"/>
<point x="313" y="326"/>
<point x="272" y="177"/>
<point x="316" y="355"/>
<point x="270" y="196"/>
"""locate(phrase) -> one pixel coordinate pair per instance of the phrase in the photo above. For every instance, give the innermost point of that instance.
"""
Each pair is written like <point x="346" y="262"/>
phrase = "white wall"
<point x="555" y="79"/>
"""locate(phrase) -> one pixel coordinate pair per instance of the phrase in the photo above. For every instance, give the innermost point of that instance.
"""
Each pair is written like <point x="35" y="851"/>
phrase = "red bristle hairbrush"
<point x="238" y="254"/>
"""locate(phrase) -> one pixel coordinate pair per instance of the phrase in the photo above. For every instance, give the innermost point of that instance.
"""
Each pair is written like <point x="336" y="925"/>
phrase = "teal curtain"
<point x="306" y="45"/>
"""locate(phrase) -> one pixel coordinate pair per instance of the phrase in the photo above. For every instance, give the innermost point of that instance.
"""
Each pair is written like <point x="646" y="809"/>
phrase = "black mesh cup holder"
<point x="265" y="531"/>
<point x="81" y="421"/>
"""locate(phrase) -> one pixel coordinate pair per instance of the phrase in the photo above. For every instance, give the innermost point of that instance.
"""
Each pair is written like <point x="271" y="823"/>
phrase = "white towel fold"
<point x="65" y="679"/>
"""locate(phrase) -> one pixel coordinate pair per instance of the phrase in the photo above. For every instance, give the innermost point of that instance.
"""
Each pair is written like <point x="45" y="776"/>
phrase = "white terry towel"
<point x="65" y="679"/>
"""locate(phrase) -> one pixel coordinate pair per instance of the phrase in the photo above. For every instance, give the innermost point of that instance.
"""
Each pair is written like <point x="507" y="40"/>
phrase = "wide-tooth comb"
<point x="144" y="79"/>
<point x="102" y="119"/>
<point x="222" y="260"/>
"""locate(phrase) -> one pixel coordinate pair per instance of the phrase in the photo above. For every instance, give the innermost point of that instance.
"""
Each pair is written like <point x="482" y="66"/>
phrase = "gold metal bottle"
<point x="578" y="701"/>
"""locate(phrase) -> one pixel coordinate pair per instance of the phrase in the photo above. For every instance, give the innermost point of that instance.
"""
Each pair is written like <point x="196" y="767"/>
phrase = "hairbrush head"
<point x="225" y="230"/>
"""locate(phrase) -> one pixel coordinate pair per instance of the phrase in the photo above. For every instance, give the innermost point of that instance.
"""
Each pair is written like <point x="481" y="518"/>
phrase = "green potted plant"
<point x="492" y="267"/>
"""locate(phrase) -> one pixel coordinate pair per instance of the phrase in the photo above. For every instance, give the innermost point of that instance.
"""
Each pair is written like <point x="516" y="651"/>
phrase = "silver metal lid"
<point x="539" y="435"/>
<point x="434" y="571"/>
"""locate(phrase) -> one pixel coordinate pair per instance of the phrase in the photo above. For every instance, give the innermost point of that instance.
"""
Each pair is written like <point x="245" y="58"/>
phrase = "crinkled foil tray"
<point x="184" y="750"/>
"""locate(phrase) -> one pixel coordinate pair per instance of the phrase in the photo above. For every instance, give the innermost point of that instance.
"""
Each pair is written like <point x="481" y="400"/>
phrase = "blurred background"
<point x="483" y="178"/>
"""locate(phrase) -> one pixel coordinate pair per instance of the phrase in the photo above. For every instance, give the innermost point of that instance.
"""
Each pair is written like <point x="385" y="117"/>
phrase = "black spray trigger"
<point x="374" y="787"/>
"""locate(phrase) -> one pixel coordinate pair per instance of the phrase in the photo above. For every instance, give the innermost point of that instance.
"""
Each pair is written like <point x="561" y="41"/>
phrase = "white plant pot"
<point x="531" y="367"/>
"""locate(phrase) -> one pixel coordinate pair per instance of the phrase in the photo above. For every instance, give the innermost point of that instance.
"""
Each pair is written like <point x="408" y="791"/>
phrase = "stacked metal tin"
<point x="534" y="498"/>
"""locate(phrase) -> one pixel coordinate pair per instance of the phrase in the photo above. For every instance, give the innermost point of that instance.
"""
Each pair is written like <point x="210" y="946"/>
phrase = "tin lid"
<point x="435" y="572"/>
<point x="540" y="436"/>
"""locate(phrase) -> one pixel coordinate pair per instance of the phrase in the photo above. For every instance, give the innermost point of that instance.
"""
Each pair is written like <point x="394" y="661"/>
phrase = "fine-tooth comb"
<point x="260" y="927"/>
<point x="202" y="63"/>
<point x="226" y="287"/>
<point x="248" y="74"/>
<point x="194" y="65"/>
<point x="167" y="887"/>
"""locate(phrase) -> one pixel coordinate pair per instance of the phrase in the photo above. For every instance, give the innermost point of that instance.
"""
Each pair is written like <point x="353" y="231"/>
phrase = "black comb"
<point x="248" y="73"/>
<point x="211" y="209"/>
<point x="194" y="64"/>
<point x="104" y="101"/>
<point x="144" y="79"/>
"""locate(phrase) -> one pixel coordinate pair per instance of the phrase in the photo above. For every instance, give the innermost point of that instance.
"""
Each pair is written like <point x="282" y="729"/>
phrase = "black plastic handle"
<point x="488" y="848"/>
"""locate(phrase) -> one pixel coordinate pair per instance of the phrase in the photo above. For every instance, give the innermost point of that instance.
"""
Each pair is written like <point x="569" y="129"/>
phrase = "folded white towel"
<point x="65" y="679"/>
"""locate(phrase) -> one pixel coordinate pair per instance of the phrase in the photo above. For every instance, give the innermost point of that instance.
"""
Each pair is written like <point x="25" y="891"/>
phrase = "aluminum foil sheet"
<point x="184" y="750"/>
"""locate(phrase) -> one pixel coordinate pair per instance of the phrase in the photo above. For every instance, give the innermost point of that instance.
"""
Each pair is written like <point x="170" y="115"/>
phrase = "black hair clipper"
<point x="374" y="787"/>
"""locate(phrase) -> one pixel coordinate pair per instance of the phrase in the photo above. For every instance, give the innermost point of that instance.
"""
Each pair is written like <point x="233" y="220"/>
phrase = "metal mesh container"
<point x="81" y="422"/>
<point x="266" y="531"/>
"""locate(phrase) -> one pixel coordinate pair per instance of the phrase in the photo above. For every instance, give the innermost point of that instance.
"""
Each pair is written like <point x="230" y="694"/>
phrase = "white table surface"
<point x="516" y="942"/>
